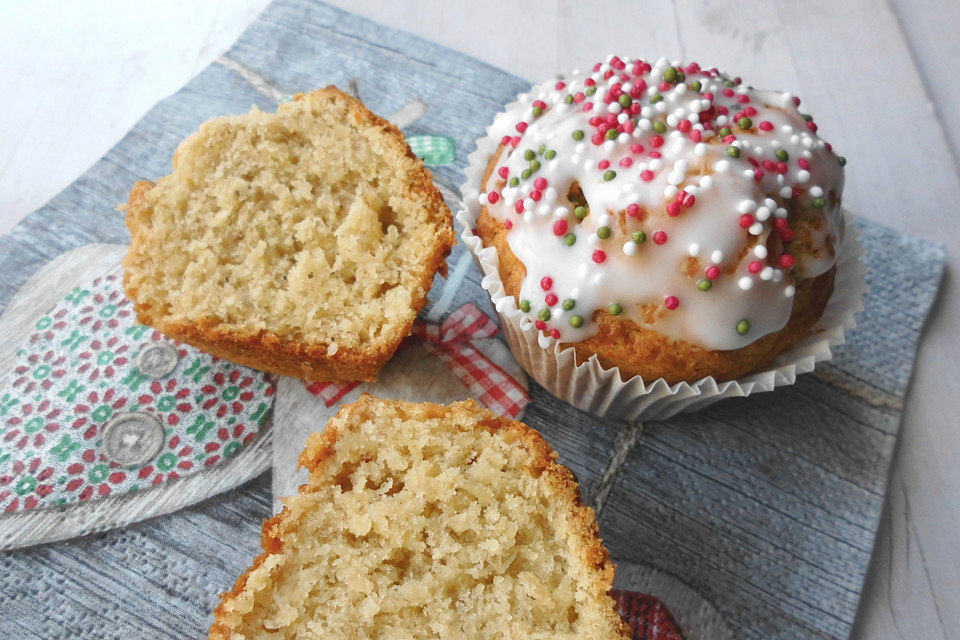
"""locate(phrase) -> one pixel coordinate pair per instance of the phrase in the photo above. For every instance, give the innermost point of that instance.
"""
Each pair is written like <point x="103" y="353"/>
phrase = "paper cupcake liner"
<point x="592" y="387"/>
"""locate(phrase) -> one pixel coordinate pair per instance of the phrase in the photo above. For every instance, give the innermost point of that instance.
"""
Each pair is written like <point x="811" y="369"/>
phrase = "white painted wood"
<point x="879" y="76"/>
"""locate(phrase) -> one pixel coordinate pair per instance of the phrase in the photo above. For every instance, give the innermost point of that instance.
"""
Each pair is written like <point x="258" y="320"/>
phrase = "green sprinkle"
<point x="819" y="203"/>
<point x="639" y="237"/>
<point x="537" y="112"/>
<point x="624" y="100"/>
<point x="581" y="212"/>
<point x="704" y="285"/>
<point x="550" y="154"/>
<point x="525" y="306"/>
<point x="655" y="99"/>
<point x="729" y="84"/>
<point x="695" y="85"/>
<point x="660" y="127"/>
<point x="591" y="91"/>
<point x="670" y="74"/>
<point x="733" y="152"/>
<point x="782" y="155"/>
<point x="526" y="173"/>
<point x="842" y="160"/>
<point x="569" y="239"/>
<point x="514" y="181"/>
<point x="745" y="122"/>
<point x="611" y="134"/>
<point x="535" y="165"/>
<point x="724" y="132"/>
<point x="681" y="76"/>
<point x="603" y="233"/>
<point x="807" y="117"/>
<point x="615" y="309"/>
<point x="609" y="175"/>
<point x="576" y="322"/>
<point x="544" y="314"/>
<point x="542" y="148"/>
<point x="578" y="135"/>
<point x="568" y="99"/>
<point x="568" y="304"/>
<point x="743" y="327"/>
<point x="529" y="154"/>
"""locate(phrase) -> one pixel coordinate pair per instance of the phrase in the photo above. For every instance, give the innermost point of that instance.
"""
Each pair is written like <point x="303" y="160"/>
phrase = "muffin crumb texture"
<point x="282" y="240"/>
<point x="425" y="521"/>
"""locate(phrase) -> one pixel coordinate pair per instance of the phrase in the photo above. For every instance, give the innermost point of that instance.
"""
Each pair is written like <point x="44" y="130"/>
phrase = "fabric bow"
<point x="452" y="341"/>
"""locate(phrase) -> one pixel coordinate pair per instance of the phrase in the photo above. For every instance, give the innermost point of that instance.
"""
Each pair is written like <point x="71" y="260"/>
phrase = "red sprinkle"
<point x="673" y="210"/>
<point x="755" y="266"/>
<point x="746" y="220"/>
<point x="749" y="111"/>
<point x="636" y="148"/>
<point x="812" y="126"/>
<point x="588" y="106"/>
<point x="505" y="140"/>
<point x="786" y="261"/>
<point x="603" y="164"/>
<point x="656" y="141"/>
<point x="633" y="210"/>
<point x="551" y="299"/>
<point x="663" y="86"/>
<point x="730" y="138"/>
<point x="521" y="126"/>
<point x="559" y="227"/>
<point x="803" y="163"/>
<point x="597" y="139"/>
<point x="555" y="334"/>
<point x="696" y="136"/>
<point x="646" y="175"/>
<point x="758" y="175"/>
<point x="655" y="154"/>
<point x="540" y="183"/>
<point x="508" y="224"/>
<point x="492" y="197"/>
<point x="766" y="126"/>
<point x="713" y="272"/>
<point x="560" y="85"/>
<point x="579" y="97"/>
<point x="689" y="200"/>
<point x="590" y="81"/>
<point x="504" y="172"/>
<point x="626" y="162"/>
<point x="535" y="195"/>
<point x="684" y="126"/>
<point x="546" y="283"/>
<point x="659" y="237"/>
<point x="671" y="302"/>
<point x="599" y="256"/>
<point x="541" y="325"/>
<point x="518" y="207"/>
<point x="515" y="141"/>
<point x="728" y="92"/>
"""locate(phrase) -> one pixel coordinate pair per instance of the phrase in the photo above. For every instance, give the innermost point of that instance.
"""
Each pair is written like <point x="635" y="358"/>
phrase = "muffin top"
<point x="672" y="194"/>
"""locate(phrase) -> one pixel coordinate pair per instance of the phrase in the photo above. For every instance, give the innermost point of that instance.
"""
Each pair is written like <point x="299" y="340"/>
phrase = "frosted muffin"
<point x="667" y="219"/>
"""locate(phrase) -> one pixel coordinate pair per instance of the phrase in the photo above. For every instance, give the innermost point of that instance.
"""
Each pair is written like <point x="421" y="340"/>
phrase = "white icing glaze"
<point x="646" y="279"/>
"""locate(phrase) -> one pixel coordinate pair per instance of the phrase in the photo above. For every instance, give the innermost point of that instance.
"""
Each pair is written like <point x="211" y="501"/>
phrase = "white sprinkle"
<point x="526" y="188"/>
<point x="614" y="107"/>
<point x="609" y="146"/>
<point x="794" y="139"/>
<point x="803" y="176"/>
<point x="748" y="173"/>
<point x="483" y="199"/>
<point x="755" y="229"/>
<point x="777" y="275"/>
<point x="670" y="191"/>
<point x="745" y="283"/>
<point x="660" y="107"/>
<point x="675" y="177"/>
<point x="760" y="251"/>
<point x="681" y="166"/>
<point x="589" y="164"/>
<point x="582" y="270"/>
<point x="544" y="209"/>
<point x="695" y="105"/>
<point x="781" y="212"/>
<point x="722" y="120"/>
<point x="598" y="278"/>
<point x="593" y="239"/>
<point x="706" y="182"/>
<point x="716" y="257"/>
<point x="553" y="164"/>
<point x="623" y="138"/>
<point x="550" y="194"/>
<point x="746" y="206"/>
<point x="529" y="204"/>
<point x="623" y="117"/>
<point x="580" y="148"/>
<point x="672" y="120"/>
<point x="789" y="290"/>
<point x="816" y="192"/>
<point x="786" y="192"/>
<point x="576" y="158"/>
<point x="762" y="214"/>
<point x="700" y="149"/>
<point x="656" y="164"/>
<point x="509" y="202"/>
<point x="770" y="203"/>
<point x="561" y="212"/>
<point x="603" y="220"/>
<point x="528" y="216"/>
<point x="332" y="348"/>
<point x="722" y="166"/>
<point x="692" y="190"/>
<point x="766" y="273"/>
<point x="693" y="249"/>
<point x="630" y="248"/>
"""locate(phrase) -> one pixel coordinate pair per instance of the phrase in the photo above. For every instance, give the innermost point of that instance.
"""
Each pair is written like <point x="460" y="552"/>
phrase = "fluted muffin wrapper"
<point x="592" y="387"/>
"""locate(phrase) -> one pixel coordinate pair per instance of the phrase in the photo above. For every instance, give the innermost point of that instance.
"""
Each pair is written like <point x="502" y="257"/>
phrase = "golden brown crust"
<point x="265" y="350"/>
<point x="319" y="450"/>
<point x="639" y="351"/>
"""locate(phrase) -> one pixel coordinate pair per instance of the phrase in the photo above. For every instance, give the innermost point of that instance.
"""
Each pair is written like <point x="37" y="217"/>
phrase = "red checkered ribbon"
<point x="647" y="617"/>
<point x="452" y="341"/>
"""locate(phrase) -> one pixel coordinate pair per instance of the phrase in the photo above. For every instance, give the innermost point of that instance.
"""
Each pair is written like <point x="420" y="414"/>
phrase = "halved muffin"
<point x="427" y="521"/>
<point x="301" y="242"/>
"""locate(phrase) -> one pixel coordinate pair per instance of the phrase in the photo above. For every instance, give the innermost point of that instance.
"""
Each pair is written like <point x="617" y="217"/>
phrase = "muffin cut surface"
<point x="426" y="521"/>
<point x="302" y="242"/>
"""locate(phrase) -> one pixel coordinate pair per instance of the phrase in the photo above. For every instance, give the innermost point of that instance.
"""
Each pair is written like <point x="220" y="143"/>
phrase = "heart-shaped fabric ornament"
<point x="96" y="406"/>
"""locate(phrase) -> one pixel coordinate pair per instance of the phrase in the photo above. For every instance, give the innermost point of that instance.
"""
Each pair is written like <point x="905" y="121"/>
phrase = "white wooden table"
<point x="880" y="76"/>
